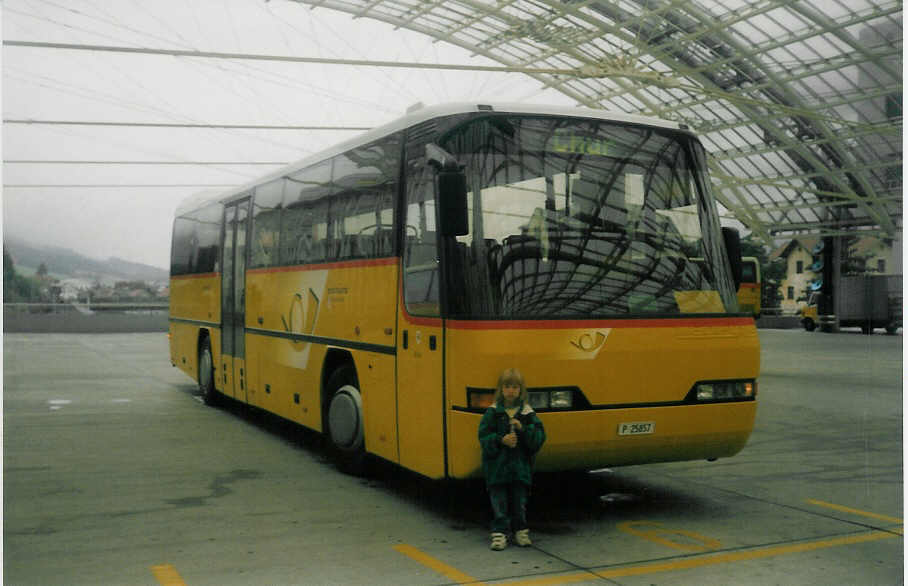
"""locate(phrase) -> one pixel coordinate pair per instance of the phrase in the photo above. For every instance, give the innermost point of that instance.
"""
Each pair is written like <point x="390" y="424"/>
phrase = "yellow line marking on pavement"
<point x="853" y="511"/>
<point x="747" y="555"/>
<point x="710" y="560"/>
<point x="436" y="565"/>
<point x="659" y="533"/>
<point x="167" y="575"/>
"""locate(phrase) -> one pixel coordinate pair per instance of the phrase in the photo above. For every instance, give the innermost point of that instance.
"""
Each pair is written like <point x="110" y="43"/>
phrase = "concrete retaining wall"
<point x="68" y="320"/>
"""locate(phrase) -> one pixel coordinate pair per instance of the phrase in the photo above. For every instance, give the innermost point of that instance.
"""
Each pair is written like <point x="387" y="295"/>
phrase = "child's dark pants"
<point x="509" y="506"/>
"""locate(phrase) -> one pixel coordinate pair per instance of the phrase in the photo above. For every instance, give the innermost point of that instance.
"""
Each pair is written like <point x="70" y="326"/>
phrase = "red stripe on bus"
<point x="422" y="321"/>
<point x="347" y="264"/>
<point x="684" y="322"/>
<point x="195" y="276"/>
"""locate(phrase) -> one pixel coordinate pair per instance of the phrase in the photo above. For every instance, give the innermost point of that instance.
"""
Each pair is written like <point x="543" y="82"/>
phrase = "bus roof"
<point x="412" y="118"/>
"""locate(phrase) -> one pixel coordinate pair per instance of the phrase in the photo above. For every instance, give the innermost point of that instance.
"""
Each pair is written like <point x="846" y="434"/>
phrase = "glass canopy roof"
<point x="799" y="103"/>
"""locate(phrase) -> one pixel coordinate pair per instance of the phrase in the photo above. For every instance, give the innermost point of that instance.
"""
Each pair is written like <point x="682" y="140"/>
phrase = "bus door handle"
<point x="261" y="320"/>
<point x="406" y="339"/>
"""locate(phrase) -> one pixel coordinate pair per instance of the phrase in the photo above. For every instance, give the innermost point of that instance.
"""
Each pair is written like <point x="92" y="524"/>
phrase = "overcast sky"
<point x="125" y="210"/>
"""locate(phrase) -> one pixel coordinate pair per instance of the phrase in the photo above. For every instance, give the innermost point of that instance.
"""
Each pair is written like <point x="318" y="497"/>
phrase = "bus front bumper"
<point x="588" y="440"/>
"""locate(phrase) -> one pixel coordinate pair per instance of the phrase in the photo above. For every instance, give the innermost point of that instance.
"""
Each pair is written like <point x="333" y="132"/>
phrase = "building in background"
<point x="804" y="264"/>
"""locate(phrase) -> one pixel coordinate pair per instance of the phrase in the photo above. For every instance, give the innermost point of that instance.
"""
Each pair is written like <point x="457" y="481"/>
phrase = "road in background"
<point x="115" y="473"/>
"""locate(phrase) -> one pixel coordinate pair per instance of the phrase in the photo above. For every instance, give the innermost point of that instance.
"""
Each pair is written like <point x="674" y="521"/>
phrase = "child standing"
<point x="510" y="434"/>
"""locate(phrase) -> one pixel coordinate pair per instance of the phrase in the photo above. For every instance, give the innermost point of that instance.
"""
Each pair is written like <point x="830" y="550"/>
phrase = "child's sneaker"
<point x="523" y="538"/>
<point x="499" y="541"/>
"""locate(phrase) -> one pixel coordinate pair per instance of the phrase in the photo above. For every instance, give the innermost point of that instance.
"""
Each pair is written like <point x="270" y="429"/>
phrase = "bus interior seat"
<point x="384" y="242"/>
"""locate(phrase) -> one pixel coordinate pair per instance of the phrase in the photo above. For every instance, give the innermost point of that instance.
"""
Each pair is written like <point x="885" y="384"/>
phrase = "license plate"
<point x="636" y="428"/>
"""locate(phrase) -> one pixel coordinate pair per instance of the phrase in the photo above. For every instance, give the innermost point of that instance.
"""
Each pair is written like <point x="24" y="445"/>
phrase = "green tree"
<point x="9" y="270"/>
<point x="16" y="287"/>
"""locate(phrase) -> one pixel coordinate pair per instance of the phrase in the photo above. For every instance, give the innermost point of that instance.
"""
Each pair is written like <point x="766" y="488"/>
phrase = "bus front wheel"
<point x="345" y="420"/>
<point x="206" y="373"/>
<point x="809" y="325"/>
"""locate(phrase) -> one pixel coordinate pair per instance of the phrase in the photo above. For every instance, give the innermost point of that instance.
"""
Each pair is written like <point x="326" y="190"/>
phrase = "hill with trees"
<point x="64" y="263"/>
<point x="49" y="274"/>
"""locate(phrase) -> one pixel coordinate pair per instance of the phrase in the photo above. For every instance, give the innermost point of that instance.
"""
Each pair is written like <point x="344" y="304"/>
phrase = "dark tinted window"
<point x="748" y="272"/>
<point x="196" y="241"/>
<point x="266" y="224"/>
<point x="304" y="221"/>
<point x="363" y="207"/>
<point x="342" y="209"/>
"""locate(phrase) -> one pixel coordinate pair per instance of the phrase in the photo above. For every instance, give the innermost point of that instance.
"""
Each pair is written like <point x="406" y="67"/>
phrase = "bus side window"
<point x="206" y="239"/>
<point x="366" y="179"/>
<point x="266" y="224"/>
<point x="304" y="219"/>
<point x="180" y="250"/>
<point x="421" y="277"/>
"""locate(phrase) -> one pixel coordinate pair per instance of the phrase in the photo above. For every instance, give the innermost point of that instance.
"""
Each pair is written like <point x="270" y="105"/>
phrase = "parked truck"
<point x="867" y="302"/>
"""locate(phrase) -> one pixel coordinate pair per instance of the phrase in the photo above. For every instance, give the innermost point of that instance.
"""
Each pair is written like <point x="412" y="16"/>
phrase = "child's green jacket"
<point x="504" y="465"/>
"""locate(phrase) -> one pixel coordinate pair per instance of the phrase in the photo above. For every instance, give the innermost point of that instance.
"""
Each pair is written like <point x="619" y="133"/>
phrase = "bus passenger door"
<point x="420" y="339"/>
<point x="233" y="301"/>
<point x="420" y="398"/>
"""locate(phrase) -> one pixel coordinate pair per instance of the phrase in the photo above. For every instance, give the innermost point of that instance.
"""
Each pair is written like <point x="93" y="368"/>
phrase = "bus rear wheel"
<point x="206" y="373"/>
<point x="345" y="421"/>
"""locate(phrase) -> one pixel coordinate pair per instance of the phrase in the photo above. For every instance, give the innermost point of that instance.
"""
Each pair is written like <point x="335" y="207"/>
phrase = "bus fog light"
<point x="562" y="399"/>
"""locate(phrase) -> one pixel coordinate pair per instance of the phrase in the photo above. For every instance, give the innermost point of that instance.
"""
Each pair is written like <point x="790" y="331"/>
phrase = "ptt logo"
<point x="301" y="318"/>
<point x="590" y="342"/>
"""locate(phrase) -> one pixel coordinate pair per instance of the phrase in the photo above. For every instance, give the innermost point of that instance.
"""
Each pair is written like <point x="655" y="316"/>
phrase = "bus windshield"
<point x="573" y="217"/>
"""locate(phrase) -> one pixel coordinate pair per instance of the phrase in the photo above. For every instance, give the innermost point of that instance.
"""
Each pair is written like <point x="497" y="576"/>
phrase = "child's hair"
<point x="511" y="377"/>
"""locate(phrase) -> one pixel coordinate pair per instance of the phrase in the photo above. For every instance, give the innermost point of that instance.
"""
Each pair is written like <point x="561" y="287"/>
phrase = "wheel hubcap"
<point x="344" y="419"/>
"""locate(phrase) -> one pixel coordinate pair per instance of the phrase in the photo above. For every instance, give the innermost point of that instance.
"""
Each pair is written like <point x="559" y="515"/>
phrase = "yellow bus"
<point x="750" y="289"/>
<point x="374" y="292"/>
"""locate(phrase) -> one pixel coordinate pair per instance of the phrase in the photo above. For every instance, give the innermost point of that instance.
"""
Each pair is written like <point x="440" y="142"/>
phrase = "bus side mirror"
<point x="452" y="203"/>
<point x="732" y="240"/>
<point x="453" y="217"/>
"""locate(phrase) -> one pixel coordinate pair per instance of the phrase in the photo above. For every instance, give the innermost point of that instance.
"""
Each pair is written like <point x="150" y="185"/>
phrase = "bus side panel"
<point x="184" y="339"/>
<point x="348" y="302"/>
<point x="285" y="374"/>
<point x="196" y="298"/>
<point x="341" y="306"/>
<point x="214" y="336"/>
<point x="183" y="349"/>
<point x="281" y="380"/>
<point x="420" y="407"/>
<point x="360" y="307"/>
<point x="377" y="384"/>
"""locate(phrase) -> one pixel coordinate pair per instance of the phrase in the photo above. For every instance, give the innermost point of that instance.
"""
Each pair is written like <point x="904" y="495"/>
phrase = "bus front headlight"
<point x="562" y="399"/>
<point x="724" y="390"/>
